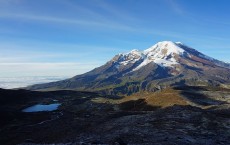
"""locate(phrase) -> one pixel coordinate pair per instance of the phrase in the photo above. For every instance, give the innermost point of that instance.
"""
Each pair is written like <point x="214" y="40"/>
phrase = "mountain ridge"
<point x="164" y="64"/>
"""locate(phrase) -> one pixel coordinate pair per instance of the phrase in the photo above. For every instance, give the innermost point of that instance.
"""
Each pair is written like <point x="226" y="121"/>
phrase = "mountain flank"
<point x="165" y="64"/>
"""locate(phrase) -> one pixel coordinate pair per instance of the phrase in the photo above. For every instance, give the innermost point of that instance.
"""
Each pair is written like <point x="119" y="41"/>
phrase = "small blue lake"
<point x="39" y="107"/>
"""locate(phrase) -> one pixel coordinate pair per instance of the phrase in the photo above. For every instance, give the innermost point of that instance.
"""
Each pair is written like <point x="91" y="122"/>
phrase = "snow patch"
<point x="164" y="48"/>
<point x="180" y="43"/>
<point x="144" y="63"/>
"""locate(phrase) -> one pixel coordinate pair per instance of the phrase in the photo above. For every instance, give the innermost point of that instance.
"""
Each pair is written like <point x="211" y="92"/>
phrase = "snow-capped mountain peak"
<point x="164" y="48"/>
<point x="134" y="51"/>
<point x="130" y="57"/>
<point x="164" y="54"/>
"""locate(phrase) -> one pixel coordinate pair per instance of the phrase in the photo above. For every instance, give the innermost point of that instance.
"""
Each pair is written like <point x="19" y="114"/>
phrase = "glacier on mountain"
<point x="164" y="54"/>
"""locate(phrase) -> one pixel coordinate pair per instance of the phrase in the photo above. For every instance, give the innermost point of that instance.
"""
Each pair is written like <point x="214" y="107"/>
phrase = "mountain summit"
<point x="162" y="65"/>
<point x="165" y="54"/>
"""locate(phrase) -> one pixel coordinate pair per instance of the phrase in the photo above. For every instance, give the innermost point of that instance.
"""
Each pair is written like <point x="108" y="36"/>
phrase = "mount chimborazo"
<point x="162" y="65"/>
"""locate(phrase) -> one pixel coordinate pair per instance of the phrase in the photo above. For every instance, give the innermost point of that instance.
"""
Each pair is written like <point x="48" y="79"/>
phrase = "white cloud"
<point x="69" y="21"/>
<point x="17" y="82"/>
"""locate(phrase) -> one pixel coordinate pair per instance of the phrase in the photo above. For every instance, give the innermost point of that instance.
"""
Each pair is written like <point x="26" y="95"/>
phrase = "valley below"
<point x="177" y="115"/>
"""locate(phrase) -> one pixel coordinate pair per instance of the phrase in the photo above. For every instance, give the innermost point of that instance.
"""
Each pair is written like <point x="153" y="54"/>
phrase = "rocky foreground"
<point x="175" y="125"/>
<point x="189" y="117"/>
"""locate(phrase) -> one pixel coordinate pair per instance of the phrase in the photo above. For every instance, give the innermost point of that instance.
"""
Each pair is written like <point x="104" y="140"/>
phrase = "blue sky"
<point x="69" y="37"/>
